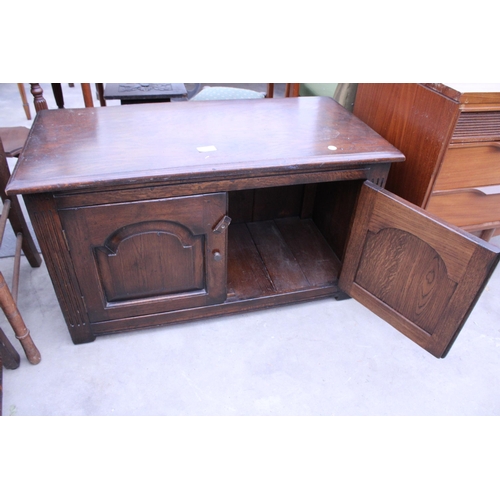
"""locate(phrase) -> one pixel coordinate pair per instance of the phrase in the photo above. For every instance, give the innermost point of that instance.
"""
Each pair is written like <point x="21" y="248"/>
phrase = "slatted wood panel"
<point x="279" y="256"/>
<point x="484" y="126"/>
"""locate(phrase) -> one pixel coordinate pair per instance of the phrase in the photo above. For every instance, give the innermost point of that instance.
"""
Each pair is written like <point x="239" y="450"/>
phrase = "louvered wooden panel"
<point x="474" y="126"/>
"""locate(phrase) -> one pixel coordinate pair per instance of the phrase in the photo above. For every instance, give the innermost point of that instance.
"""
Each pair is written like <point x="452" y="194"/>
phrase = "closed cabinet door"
<point x="420" y="274"/>
<point x="149" y="257"/>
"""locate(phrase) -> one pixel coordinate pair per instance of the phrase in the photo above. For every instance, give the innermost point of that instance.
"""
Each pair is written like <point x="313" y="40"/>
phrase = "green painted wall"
<point x="325" y="89"/>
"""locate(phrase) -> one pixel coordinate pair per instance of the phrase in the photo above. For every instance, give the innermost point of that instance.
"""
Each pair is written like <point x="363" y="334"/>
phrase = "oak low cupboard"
<point x="160" y="213"/>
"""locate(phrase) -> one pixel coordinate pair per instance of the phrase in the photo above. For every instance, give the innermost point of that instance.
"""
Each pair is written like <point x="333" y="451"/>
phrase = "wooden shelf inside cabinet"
<point x="450" y="135"/>
<point x="163" y="213"/>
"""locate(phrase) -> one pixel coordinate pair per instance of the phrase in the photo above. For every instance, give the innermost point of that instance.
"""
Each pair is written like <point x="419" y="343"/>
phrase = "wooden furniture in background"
<point x="13" y="140"/>
<point x="143" y="93"/>
<point x="16" y="216"/>
<point x="450" y="135"/>
<point x="291" y="90"/>
<point x="162" y="213"/>
<point x="11" y="210"/>
<point x="40" y="102"/>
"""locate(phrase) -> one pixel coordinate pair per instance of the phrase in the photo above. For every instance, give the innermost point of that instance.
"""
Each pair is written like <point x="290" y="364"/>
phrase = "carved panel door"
<point x="149" y="256"/>
<point x="418" y="273"/>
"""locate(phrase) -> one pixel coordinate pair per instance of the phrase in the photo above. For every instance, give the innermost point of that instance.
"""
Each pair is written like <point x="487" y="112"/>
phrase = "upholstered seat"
<point x="225" y="93"/>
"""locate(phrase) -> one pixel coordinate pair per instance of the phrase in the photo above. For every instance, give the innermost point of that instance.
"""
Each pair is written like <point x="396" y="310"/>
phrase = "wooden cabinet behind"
<point x="450" y="135"/>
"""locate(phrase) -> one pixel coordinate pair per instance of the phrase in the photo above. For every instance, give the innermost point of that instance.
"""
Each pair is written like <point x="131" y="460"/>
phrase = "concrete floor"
<point x="317" y="358"/>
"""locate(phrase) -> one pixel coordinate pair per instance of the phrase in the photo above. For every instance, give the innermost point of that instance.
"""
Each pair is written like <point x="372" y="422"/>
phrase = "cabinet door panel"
<point x="418" y="273"/>
<point x="150" y="256"/>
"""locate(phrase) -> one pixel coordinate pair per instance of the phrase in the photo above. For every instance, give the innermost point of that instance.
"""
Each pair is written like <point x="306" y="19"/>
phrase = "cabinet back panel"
<point x="254" y="205"/>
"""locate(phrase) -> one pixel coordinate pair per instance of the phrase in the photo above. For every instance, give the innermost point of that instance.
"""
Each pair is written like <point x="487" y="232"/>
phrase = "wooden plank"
<point x="275" y="202"/>
<point x="282" y="267"/>
<point x="315" y="257"/>
<point x="246" y="274"/>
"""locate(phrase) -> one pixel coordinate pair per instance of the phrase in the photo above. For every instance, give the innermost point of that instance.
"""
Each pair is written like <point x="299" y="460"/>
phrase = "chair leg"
<point x="39" y="101"/>
<point x="292" y="89"/>
<point x="15" y="319"/>
<point x="100" y="93"/>
<point x="87" y="95"/>
<point x="58" y="94"/>
<point x="26" y="106"/>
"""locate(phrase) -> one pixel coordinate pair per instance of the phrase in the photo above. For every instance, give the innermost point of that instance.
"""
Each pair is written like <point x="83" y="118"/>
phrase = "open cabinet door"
<point x="418" y="273"/>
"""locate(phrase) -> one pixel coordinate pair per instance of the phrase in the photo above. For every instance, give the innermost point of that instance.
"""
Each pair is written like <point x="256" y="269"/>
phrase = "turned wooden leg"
<point x="26" y="106"/>
<point x="87" y="95"/>
<point x="37" y="93"/>
<point x="15" y="319"/>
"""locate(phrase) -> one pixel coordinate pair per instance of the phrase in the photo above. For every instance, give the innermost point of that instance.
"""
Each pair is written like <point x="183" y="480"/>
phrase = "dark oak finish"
<point x="147" y="257"/>
<point x="450" y="135"/>
<point x="8" y="354"/>
<point x="164" y="213"/>
<point x="413" y="270"/>
<point x="156" y="144"/>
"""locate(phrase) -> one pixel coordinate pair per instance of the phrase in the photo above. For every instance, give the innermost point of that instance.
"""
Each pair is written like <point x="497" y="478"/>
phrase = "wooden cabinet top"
<point x="196" y="141"/>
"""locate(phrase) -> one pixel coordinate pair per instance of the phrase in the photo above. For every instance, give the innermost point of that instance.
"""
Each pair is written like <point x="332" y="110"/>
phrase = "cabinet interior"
<point x="288" y="239"/>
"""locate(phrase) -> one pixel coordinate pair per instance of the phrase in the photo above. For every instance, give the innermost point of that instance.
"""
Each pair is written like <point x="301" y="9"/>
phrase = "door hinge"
<point x="222" y="225"/>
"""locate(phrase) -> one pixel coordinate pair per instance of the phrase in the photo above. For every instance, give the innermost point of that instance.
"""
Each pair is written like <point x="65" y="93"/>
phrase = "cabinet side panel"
<point x="333" y="210"/>
<point x="50" y="235"/>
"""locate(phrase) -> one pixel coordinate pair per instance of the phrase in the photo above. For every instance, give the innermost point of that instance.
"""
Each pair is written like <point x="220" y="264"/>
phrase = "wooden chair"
<point x="16" y="216"/>
<point x="223" y="93"/>
<point x="86" y="91"/>
<point x="41" y="103"/>
<point x="13" y="140"/>
<point x="291" y="90"/>
<point x="12" y="211"/>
